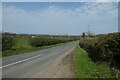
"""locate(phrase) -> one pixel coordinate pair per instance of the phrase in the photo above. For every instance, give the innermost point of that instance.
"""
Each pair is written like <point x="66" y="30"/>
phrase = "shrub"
<point x="7" y="42"/>
<point x="89" y="45"/>
<point x="110" y="47"/>
<point x="104" y="48"/>
<point x="37" y="42"/>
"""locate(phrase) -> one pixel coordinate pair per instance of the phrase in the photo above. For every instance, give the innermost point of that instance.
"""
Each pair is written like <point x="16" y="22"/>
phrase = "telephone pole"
<point x="88" y="27"/>
<point x="88" y="30"/>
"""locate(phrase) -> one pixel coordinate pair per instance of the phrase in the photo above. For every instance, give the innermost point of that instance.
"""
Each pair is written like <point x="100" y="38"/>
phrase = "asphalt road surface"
<point x="34" y="64"/>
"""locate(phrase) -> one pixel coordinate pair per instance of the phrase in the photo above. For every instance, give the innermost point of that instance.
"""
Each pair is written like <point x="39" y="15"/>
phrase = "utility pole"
<point x="88" y="31"/>
<point x="88" y="27"/>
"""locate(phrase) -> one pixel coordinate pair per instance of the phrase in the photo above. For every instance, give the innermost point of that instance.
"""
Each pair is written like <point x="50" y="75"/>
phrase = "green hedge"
<point x="37" y="42"/>
<point x="104" y="48"/>
<point x="7" y="42"/>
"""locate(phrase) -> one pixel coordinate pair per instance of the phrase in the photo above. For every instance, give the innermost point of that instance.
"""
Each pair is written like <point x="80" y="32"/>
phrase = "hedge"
<point x="7" y="42"/>
<point x="104" y="48"/>
<point x="37" y="42"/>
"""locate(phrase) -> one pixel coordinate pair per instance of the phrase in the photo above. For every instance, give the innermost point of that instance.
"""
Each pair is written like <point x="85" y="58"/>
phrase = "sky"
<point x="0" y="16"/>
<point x="70" y="18"/>
<point x="60" y="0"/>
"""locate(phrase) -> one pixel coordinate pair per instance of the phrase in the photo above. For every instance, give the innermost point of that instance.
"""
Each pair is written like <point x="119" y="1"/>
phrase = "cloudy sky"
<point x="60" y="0"/>
<point x="60" y="17"/>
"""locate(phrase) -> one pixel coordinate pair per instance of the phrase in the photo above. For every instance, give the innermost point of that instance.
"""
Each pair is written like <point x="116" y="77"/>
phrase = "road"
<point x="38" y="64"/>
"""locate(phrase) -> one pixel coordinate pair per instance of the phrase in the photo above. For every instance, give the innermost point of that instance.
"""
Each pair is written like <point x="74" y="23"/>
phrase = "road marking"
<point x="21" y="61"/>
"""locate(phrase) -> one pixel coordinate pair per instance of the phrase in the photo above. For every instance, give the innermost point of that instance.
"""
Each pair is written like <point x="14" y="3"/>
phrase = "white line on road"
<point x="21" y="61"/>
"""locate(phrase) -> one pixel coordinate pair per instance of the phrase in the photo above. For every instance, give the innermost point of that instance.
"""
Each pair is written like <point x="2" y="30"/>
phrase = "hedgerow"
<point x="7" y="42"/>
<point x="104" y="48"/>
<point x="37" y="42"/>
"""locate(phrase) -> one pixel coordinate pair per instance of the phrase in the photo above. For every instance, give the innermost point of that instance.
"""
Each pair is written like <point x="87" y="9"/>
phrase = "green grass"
<point x="21" y="43"/>
<point x="86" y="68"/>
<point x="22" y="46"/>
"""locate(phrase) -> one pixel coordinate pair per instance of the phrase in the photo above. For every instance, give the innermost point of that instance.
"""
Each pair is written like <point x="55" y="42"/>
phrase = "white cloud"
<point x="102" y="17"/>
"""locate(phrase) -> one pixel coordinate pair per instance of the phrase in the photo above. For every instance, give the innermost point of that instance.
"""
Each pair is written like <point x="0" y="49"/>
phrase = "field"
<point x="22" y="44"/>
<point x="86" y="68"/>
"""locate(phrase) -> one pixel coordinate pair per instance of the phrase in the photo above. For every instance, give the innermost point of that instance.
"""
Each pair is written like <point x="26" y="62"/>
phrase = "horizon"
<point x="56" y="18"/>
<point x="52" y="34"/>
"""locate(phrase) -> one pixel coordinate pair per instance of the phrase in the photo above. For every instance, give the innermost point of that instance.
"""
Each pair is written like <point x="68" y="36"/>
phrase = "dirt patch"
<point x="63" y="67"/>
<point x="66" y="68"/>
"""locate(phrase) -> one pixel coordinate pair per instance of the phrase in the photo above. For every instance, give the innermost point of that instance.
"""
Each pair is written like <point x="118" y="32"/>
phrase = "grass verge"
<point x="86" y="68"/>
<point x="21" y="51"/>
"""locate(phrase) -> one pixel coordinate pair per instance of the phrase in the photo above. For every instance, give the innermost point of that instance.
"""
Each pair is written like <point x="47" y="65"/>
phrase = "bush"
<point x="89" y="45"/>
<point x="110" y="47"/>
<point x="104" y="48"/>
<point x="7" y="42"/>
<point x="37" y="42"/>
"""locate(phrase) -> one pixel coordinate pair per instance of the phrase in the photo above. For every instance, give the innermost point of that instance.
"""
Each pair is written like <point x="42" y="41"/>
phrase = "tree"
<point x="83" y="35"/>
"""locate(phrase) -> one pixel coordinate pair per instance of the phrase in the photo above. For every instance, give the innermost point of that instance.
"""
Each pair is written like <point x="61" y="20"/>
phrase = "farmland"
<point x="21" y="43"/>
<point x="93" y="57"/>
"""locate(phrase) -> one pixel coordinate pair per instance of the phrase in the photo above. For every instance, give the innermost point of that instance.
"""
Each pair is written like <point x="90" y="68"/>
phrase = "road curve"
<point x="34" y="64"/>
